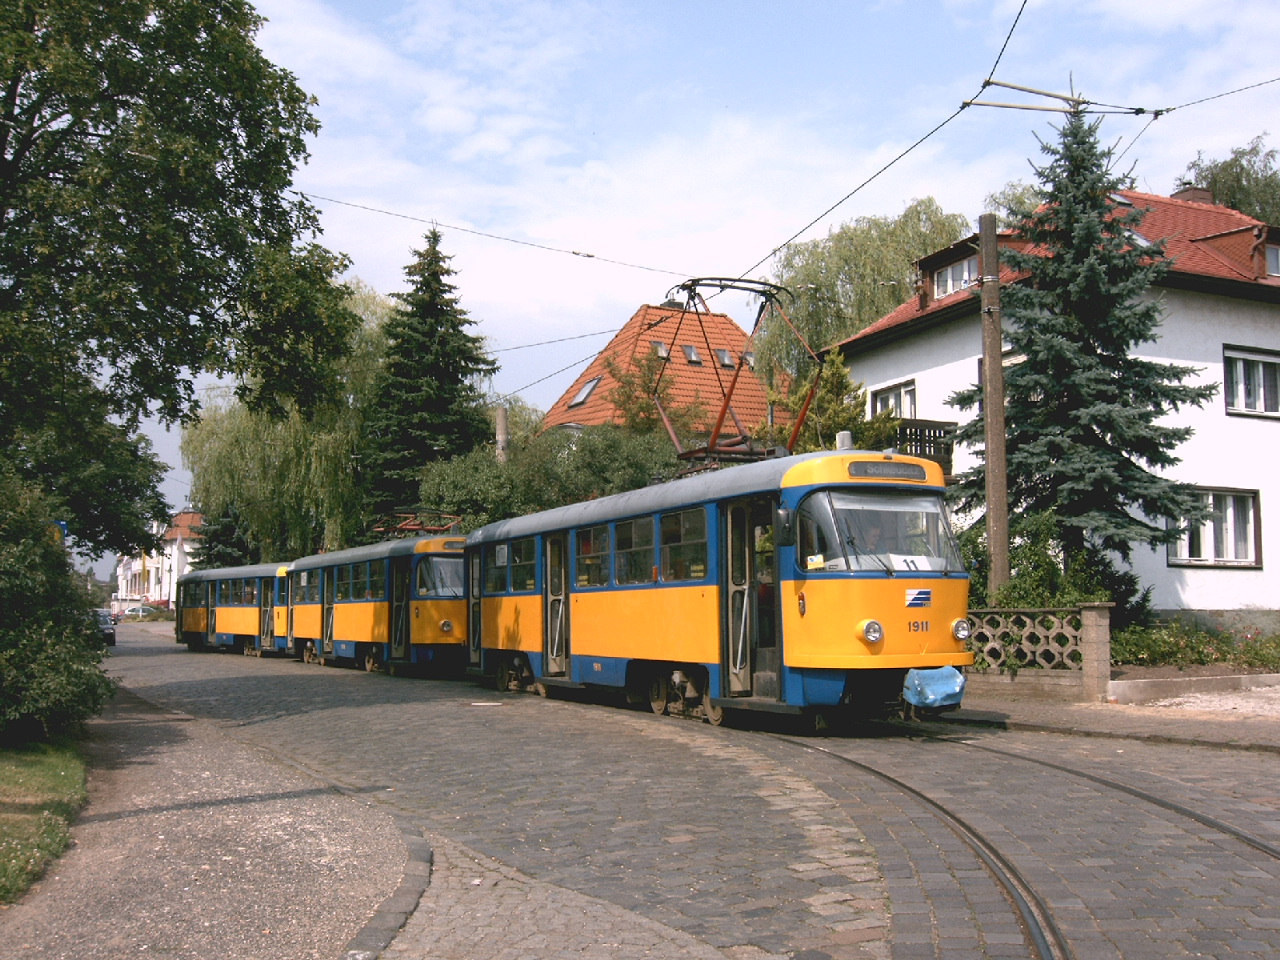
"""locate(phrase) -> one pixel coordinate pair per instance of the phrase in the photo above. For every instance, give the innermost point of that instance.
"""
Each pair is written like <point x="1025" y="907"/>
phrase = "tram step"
<point x="765" y="704"/>
<point x="561" y="682"/>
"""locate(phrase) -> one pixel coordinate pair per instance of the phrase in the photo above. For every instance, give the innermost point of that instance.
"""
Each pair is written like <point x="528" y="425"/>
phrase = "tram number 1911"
<point x="918" y="626"/>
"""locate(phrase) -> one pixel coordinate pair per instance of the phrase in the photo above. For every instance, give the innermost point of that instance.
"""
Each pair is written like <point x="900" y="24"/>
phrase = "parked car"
<point x="136" y="612"/>
<point x="107" y="624"/>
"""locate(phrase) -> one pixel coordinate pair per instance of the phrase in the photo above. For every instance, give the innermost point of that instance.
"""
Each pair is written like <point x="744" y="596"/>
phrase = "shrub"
<point x="1178" y="644"/>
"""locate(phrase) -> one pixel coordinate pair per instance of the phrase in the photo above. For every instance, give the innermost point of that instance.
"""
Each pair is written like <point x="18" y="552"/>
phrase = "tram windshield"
<point x="876" y="530"/>
<point x="440" y="577"/>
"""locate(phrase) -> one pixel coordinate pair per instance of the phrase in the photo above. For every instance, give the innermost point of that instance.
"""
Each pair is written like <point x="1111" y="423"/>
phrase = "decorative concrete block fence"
<point x="1058" y="652"/>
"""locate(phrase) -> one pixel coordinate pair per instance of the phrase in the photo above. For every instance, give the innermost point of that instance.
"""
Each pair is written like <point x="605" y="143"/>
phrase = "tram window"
<point x="495" y="568"/>
<point x="251" y="592"/>
<point x="524" y="564"/>
<point x="818" y="544"/>
<point x="342" y="583"/>
<point x="684" y="545"/>
<point x="440" y="577"/>
<point x="360" y="581"/>
<point x="378" y="579"/>
<point x="591" y="564"/>
<point x="634" y="561"/>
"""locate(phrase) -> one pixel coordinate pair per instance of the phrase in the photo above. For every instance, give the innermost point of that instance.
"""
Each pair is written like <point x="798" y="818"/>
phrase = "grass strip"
<point x="42" y="788"/>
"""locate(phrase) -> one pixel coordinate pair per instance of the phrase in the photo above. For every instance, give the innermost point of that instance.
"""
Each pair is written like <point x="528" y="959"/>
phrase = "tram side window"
<point x="634" y="561"/>
<point x="251" y="592"/>
<point x="524" y="564"/>
<point x="819" y="543"/>
<point x="378" y="579"/>
<point x="684" y="545"/>
<point x="591" y="563"/>
<point x="495" y="568"/>
<point x="360" y="581"/>
<point x="342" y="583"/>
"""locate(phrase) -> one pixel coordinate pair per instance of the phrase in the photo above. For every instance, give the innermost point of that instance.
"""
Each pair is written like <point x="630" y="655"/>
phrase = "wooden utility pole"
<point x="993" y="404"/>
<point x="500" y="448"/>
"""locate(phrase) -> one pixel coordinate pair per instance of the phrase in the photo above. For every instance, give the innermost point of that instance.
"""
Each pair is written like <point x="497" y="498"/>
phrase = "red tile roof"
<point x="184" y="525"/>
<point x="704" y="383"/>
<point x="1202" y="240"/>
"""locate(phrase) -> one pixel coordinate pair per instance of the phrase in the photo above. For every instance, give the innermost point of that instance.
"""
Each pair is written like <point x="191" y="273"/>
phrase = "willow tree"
<point x="850" y="278"/>
<point x="294" y="480"/>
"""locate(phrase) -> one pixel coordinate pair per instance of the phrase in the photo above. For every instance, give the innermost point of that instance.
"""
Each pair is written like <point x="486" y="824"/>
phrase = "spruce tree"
<point x="427" y="404"/>
<point x="1084" y="442"/>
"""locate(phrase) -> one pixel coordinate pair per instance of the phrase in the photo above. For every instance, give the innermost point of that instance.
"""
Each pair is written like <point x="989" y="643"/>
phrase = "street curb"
<point x="393" y="913"/>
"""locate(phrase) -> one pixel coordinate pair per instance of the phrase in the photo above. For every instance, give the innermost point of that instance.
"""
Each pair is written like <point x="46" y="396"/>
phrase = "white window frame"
<point x="899" y="398"/>
<point x="955" y="276"/>
<point x="1251" y="382"/>
<point x="1231" y="536"/>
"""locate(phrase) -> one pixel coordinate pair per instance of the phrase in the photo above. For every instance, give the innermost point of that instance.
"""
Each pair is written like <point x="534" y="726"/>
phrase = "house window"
<point x="660" y="348"/>
<point x="581" y="396"/>
<point x="691" y="354"/>
<point x="725" y="358"/>
<point x="1228" y="537"/>
<point x="1273" y="260"/>
<point x="899" y="400"/>
<point x="1251" y="381"/>
<point x="955" y="277"/>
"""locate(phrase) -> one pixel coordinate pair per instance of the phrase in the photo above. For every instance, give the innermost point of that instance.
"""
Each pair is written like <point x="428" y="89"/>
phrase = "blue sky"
<point x="695" y="137"/>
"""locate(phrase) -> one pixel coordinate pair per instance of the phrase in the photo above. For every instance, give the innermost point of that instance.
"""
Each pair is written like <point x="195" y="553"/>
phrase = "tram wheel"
<point x="542" y="690"/>
<point x="659" y="693"/>
<point x="371" y="660"/>
<point x="504" y="677"/>
<point x="713" y="714"/>
<point x="308" y="654"/>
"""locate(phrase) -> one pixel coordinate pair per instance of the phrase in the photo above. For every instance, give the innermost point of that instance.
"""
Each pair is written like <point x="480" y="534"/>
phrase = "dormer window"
<point x="661" y="349"/>
<point x="955" y="277"/>
<point x="725" y="358"/>
<point x="581" y="396"/>
<point x="691" y="354"/>
<point x="1273" y="260"/>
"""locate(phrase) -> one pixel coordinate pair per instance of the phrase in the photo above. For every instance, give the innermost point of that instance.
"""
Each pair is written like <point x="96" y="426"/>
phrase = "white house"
<point x="1221" y="315"/>
<point x="151" y="578"/>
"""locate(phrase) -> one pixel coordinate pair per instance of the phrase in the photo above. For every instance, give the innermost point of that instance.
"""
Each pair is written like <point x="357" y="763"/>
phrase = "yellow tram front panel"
<point x="361" y="622"/>
<point x="679" y="624"/>
<point x="307" y="620"/>
<point x="237" y="620"/>
<point x="512" y="622"/>
<point x="827" y="635"/>
<point x="438" y="621"/>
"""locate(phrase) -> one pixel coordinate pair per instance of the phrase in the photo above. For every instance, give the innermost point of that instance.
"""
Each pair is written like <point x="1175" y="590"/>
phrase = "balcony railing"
<point x="930" y="439"/>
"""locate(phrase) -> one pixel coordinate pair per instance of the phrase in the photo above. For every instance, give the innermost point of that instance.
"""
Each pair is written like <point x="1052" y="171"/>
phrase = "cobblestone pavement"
<point x="566" y="829"/>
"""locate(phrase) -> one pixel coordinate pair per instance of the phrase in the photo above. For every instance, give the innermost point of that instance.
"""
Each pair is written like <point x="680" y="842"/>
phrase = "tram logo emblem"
<point x="919" y="598"/>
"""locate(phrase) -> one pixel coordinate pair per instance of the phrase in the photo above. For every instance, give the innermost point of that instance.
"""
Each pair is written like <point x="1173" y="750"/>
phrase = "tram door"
<point x="750" y="646"/>
<point x="556" y="629"/>
<point x="473" y="603"/>
<point x="291" y="597"/>
<point x="400" y="571"/>
<point x="211" y="599"/>
<point x="266" y="614"/>
<point x="327" y="585"/>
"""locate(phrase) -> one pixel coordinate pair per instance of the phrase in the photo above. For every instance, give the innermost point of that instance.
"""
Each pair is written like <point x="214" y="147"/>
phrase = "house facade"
<point x="151" y="578"/>
<point x="1220" y="304"/>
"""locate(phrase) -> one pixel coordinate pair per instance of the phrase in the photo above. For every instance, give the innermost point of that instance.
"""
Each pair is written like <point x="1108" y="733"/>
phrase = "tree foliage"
<point x="1012" y="202"/>
<point x="837" y="406"/>
<point x="638" y="392"/>
<point x="224" y="542"/>
<point x="553" y="469"/>
<point x="1083" y="412"/>
<point x="427" y="404"/>
<point x="1248" y="180"/>
<point x="293" y="482"/>
<point x="850" y="278"/>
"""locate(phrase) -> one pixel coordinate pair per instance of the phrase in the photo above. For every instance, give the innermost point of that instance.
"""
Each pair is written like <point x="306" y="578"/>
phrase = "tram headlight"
<point x="446" y="626"/>
<point x="961" y="629"/>
<point x="871" y="631"/>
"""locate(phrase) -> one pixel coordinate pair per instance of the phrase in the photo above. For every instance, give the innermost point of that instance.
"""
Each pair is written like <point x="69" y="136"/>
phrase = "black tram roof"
<point x="749" y="478"/>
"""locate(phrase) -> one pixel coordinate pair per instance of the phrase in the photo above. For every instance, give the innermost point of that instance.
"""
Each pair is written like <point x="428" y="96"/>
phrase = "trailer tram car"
<point x="805" y="584"/>
<point x="398" y="603"/>
<point x="244" y="609"/>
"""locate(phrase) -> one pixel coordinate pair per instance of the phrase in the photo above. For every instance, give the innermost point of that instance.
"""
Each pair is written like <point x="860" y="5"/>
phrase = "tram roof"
<point x="374" y="551"/>
<point x="235" y="573"/>
<point x="760" y="477"/>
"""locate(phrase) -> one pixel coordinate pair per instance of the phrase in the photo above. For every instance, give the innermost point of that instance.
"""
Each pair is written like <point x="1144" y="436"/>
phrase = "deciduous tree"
<point x="1248" y="180"/>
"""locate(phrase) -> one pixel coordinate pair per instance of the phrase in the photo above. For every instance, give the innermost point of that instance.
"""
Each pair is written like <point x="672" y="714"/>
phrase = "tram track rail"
<point x="1044" y="936"/>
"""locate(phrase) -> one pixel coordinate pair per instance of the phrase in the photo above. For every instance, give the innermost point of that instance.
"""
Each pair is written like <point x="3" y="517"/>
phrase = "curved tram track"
<point x="1093" y="866"/>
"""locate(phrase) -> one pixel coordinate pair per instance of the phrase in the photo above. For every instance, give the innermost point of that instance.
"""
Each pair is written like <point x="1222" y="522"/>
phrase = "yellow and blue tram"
<point x="238" y="608"/>
<point x="799" y="584"/>
<point x="398" y="603"/>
